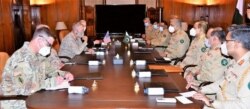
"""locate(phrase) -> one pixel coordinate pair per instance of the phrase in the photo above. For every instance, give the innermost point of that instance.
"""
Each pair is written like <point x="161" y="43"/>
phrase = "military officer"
<point x="233" y="90"/>
<point x="148" y="28"/>
<point x="153" y="33"/>
<point x="162" y="37"/>
<point x="212" y="64"/>
<point x="179" y="41"/>
<point x="197" y="47"/>
<point x="25" y="71"/>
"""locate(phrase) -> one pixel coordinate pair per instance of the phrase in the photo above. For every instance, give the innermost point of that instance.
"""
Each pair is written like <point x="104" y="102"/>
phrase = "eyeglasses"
<point x="46" y="41"/>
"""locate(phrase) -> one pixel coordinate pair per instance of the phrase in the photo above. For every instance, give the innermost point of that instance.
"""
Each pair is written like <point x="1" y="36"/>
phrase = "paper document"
<point x="64" y="85"/>
<point x="188" y="94"/>
<point x="183" y="100"/>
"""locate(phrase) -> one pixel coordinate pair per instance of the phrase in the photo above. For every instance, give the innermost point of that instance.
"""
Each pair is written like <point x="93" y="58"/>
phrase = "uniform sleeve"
<point x="19" y="81"/>
<point x="183" y="44"/>
<point x="212" y="88"/>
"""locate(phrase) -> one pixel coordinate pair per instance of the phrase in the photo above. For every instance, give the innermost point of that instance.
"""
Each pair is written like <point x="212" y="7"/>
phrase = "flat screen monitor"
<point x="120" y="18"/>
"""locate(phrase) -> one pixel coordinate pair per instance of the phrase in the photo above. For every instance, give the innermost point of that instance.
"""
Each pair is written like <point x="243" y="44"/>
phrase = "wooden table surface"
<point x="115" y="90"/>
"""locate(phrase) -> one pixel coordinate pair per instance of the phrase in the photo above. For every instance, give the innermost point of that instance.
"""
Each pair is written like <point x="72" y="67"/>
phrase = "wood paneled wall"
<point x="6" y="27"/>
<point x="217" y="15"/>
<point x="62" y="10"/>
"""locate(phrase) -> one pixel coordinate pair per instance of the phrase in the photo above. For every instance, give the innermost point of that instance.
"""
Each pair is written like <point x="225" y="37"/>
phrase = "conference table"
<point x="115" y="87"/>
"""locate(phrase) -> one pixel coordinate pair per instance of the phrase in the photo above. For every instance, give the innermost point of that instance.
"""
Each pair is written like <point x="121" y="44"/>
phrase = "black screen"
<point x="120" y="18"/>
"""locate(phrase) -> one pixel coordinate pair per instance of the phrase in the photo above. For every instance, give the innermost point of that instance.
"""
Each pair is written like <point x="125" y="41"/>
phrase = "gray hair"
<point x="43" y="32"/>
<point x="242" y="34"/>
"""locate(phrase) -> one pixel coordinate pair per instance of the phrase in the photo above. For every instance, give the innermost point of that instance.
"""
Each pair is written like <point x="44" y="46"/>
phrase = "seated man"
<point x="25" y="72"/>
<point x="148" y="28"/>
<point x="163" y="36"/>
<point x="72" y="44"/>
<point x="153" y="33"/>
<point x="179" y="41"/>
<point x="233" y="89"/>
<point x="212" y="65"/>
<point x="197" y="47"/>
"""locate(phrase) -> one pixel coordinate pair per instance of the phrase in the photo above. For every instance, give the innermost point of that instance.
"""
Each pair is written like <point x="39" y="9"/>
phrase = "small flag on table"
<point x="107" y="38"/>
<point x="126" y="38"/>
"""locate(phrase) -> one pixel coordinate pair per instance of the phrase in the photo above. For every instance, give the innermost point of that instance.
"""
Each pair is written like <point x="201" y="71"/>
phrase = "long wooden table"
<point x="115" y="90"/>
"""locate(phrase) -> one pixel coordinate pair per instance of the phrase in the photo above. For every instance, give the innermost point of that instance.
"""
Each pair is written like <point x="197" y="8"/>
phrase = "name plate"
<point x="100" y="53"/>
<point x="155" y="91"/>
<point x="93" y="63"/>
<point x="140" y="62"/>
<point x="132" y="40"/>
<point x="143" y="74"/>
<point x="78" y="89"/>
<point x="135" y="45"/>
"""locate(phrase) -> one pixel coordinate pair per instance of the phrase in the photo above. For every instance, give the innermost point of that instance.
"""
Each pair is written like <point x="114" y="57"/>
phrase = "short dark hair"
<point x="43" y="32"/>
<point x="220" y="34"/>
<point x="242" y="34"/>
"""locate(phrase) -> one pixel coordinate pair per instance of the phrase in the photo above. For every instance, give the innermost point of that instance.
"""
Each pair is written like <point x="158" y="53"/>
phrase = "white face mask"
<point x="223" y="48"/>
<point x="161" y="29"/>
<point x="171" y="29"/>
<point x="146" y="24"/>
<point x="207" y="44"/>
<point x="44" y="51"/>
<point x="155" y="26"/>
<point x="192" y="32"/>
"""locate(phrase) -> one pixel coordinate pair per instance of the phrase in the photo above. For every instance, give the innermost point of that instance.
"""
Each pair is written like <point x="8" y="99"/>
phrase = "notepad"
<point x="165" y="100"/>
<point x="188" y="94"/>
<point x="183" y="100"/>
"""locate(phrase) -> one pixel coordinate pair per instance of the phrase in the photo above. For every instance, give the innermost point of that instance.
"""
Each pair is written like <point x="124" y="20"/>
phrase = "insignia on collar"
<point x="224" y="62"/>
<point x="203" y="49"/>
<point x="182" y="41"/>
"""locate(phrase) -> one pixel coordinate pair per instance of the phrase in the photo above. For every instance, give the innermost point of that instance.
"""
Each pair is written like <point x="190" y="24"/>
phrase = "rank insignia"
<point x="182" y="41"/>
<point x="224" y="62"/>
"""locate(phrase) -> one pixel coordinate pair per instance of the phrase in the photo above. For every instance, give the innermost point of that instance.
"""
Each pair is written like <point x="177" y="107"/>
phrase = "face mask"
<point x="79" y="34"/>
<point x="192" y="32"/>
<point x="207" y="44"/>
<point x="161" y="29"/>
<point x="155" y="27"/>
<point x="171" y="29"/>
<point x="223" y="48"/>
<point x="44" y="51"/>
<point x="146" y="24"/>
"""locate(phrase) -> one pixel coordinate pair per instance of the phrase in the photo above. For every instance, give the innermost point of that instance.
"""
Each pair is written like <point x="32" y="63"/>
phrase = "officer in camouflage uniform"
<point x="233" y="90"/>
<point x="163" y="36"/>
<point x="153" y="33"/>
<point x="148" y="28"/>
<point x="212" y="64"/>
<point x="197" y="47"/>
<point x="71" y="44"/>
<point x="179" y="41"/>
<point x="26" y="71"/>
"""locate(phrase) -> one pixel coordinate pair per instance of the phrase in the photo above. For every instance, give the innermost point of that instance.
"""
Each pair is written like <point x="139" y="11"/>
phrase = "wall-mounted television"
<point x="120" y="18"/>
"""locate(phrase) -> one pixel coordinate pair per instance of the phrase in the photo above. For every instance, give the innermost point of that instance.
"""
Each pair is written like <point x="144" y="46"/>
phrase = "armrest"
<point x="13" y="97"/>
<point x="64" y="57"/>
<point x="160" y="46"/>
<point x="176" y="60"/>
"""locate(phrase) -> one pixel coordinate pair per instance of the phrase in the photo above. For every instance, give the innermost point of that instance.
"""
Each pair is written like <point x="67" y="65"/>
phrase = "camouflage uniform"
<point x="71" y="47"/>
<point x="178" y="44"/>
<point x="24" y="74"/>
<point x="233" y="90"/>
<point x="196" y="49"/>
<point x="162" y="38"/>
<point x="150" y="32"/>
<point x="211" y="66"/>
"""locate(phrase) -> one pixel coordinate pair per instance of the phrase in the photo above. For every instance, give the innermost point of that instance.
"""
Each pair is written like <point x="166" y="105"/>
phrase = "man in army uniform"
<point x="197" y="47"/>
<point x="148" y="28"/>
<point x="212" y="64"/>
<point x="25" y="71"/>
<point x="179" y="41"/>
<point x="153" y="33"/>
<point x="233" y="90"/>
<point x="162" y="38"/>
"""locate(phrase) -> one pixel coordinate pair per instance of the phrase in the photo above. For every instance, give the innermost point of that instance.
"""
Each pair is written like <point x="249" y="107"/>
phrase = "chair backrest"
<point x="3" y="59"/>
<point x="62" y="34"/>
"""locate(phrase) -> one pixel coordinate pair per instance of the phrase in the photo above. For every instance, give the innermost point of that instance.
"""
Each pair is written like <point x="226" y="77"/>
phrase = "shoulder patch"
<point x="224" y="62"/>
<point x="182" y="41"/>
<point x="203" y="49"/>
